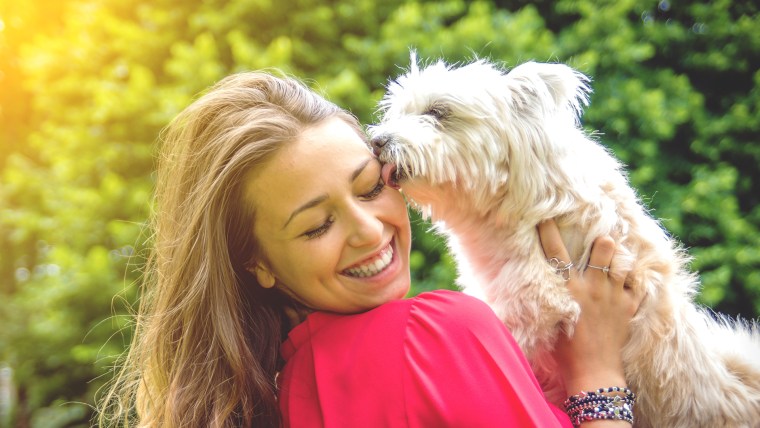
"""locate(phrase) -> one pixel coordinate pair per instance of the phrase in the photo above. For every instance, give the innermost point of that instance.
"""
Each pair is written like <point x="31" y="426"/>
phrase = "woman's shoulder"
<point x="446" y="298"/>
<point x="436" y="302"/>
<point x="436" y="312"/>
<point x="432" y="313"/>
<point x="452" y="308"/>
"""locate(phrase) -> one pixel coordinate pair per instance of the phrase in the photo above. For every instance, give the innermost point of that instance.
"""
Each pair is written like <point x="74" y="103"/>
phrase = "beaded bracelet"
<point x="593" y="405"/>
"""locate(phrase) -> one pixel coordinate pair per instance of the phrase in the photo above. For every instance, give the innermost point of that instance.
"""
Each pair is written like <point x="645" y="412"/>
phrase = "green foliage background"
<point x="86" y="85"/>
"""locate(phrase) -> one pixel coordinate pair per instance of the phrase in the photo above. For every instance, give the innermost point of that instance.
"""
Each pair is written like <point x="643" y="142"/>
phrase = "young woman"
<point x="274" y="293"/>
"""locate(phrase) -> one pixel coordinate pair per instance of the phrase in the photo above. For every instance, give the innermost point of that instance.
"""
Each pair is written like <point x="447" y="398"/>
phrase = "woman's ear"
<point x="264" y="277"/>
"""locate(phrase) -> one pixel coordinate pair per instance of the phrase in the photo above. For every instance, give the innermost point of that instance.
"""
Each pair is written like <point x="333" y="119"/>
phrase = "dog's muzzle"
<point x="391" y="174"/>
<point x="379" y="142"/>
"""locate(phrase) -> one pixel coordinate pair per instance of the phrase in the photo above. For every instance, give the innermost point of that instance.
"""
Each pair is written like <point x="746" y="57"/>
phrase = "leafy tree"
<point x="72" y="209"/>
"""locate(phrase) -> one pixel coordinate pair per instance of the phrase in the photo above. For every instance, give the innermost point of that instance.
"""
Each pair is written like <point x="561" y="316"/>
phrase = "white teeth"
<point x="373" y="267"/>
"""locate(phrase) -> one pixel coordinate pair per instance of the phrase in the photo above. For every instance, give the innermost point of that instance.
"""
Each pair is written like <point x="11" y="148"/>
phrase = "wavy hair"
<point x="206" y="345"/>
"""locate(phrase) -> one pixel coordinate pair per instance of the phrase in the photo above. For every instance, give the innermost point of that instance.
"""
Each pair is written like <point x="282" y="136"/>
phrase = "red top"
<point x="441" y="359"/>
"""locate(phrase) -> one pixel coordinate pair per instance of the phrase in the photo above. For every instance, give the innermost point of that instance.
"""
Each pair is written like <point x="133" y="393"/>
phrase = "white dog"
<point x="487" y="155"/>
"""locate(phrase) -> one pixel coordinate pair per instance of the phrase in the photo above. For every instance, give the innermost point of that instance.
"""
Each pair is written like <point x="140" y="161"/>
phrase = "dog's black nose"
<point x="379" y="142"/>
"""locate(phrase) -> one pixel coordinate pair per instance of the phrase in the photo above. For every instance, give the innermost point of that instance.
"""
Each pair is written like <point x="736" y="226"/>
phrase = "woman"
<point x="271" y="210"/>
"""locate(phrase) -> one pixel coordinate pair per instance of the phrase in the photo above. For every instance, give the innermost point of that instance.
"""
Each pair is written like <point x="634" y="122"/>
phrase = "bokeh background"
<point x="86" y="86"/>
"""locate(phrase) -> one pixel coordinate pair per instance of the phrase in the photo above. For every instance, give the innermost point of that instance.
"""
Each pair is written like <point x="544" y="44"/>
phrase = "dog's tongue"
<point x="389" y="176"/>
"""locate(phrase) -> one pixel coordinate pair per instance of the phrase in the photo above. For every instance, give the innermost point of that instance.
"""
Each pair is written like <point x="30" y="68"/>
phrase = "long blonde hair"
<point x="205" y="349"/>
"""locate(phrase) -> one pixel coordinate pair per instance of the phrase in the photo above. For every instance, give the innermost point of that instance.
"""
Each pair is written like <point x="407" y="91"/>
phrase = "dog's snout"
<point x="379" y="142"/>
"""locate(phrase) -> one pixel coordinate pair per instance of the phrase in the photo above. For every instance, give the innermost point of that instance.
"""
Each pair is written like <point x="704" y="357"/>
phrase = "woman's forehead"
<point x="322" y="159"/>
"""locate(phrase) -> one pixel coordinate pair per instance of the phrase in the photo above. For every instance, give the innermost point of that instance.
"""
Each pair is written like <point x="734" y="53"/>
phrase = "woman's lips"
<point x="373" y="265"/>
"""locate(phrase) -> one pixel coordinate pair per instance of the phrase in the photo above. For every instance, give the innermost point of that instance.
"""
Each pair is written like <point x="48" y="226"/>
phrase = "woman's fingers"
<point x="554" y="249"/>
<point x="600" y="274"/>
<point x="606" y="281"/>
<point x="592" y="356"/>
<point x="551" y="241"/>
<point x="601" y="254"/>
<point x="599" y="265"/>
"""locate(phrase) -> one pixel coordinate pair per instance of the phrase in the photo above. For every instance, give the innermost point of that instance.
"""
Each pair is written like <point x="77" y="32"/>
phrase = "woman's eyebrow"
<point x="312" y="203"/>
<point x="321" y="198"/>
<point x="360" y="168"/>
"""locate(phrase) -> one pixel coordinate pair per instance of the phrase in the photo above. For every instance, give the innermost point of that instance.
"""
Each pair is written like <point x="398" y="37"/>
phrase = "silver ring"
<point x="605" y="269"/>
<point x="561" y="268"/>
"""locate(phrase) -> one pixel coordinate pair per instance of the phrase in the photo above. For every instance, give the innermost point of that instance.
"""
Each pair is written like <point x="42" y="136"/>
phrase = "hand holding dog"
<point x="592" y="358"/>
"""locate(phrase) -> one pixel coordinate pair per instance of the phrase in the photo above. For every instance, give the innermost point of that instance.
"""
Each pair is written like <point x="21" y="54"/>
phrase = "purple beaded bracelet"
<point x="614" y="403"/>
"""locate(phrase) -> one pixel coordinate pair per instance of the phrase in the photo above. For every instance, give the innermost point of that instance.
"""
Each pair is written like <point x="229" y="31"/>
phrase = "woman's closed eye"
<point x="375" y="192"/>
<point x="322" y="229"/>
<point x="319" y="230"/>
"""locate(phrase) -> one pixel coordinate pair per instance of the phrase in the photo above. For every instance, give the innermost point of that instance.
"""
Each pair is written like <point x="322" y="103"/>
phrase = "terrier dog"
<point x="488" y="154"/>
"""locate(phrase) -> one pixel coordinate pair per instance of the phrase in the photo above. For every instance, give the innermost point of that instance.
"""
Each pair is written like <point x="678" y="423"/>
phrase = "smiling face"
<point x="333" y="236"/>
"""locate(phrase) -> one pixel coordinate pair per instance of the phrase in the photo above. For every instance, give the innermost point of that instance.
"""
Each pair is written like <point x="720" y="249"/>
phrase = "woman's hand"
<point x="592" y="357"/>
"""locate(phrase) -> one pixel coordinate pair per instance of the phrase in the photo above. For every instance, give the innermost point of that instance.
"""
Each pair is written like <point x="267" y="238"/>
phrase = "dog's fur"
<point x="487" y="155"/>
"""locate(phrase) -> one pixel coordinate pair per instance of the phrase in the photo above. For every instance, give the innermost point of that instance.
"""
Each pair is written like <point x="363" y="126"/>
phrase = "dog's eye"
<point x="438" y="111"/>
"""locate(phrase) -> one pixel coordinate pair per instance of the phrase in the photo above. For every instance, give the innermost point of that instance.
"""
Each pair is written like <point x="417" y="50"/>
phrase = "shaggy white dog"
<point x="487" y="155"/>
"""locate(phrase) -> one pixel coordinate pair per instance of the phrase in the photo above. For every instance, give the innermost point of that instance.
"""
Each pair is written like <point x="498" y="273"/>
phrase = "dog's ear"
<point x="541" y="118"/>
<point x="555" y="88"/>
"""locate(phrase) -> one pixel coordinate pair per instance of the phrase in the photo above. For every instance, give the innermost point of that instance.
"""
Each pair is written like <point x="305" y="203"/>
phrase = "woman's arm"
<point x="592" y="358"/>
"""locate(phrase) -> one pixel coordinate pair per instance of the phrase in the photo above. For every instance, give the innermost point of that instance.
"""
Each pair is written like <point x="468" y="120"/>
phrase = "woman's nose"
<point x="366" y="227"/>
